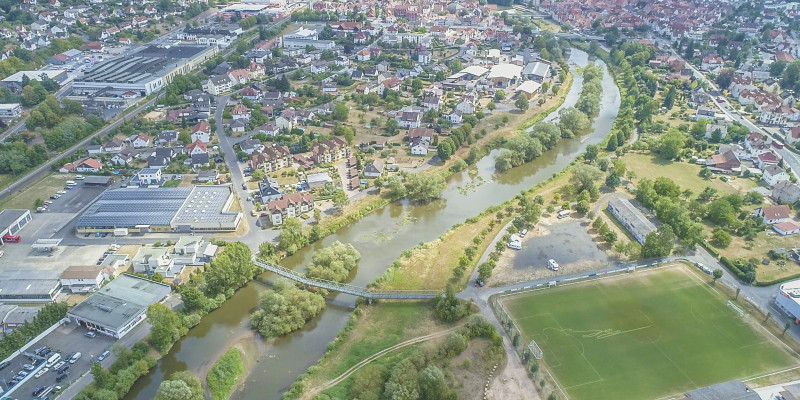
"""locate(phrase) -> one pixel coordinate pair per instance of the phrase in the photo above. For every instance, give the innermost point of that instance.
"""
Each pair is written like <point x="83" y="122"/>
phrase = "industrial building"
<point x="145" y="71"/>
<point x="11" y="221"/>
<point x="29" y="286"/>
<point x="13" y="316"/>
<point x="788" y="299"/>
<point x="120" y="305"/>
<point x="13" y="110"/>
<point x="144" y="210"/>
<point x="302" y="37"/>
<point x="14" y="82"/>
<point x="630" y="217"/>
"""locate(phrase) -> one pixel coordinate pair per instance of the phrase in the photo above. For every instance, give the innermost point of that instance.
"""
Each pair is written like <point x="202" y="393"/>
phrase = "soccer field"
<point x="646" y="335"/>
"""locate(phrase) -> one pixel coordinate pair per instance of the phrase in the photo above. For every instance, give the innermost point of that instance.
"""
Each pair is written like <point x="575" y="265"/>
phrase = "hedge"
<point x="710" y="249"/>
<point x="734" y="269"/>
<point x="776" y="281"/>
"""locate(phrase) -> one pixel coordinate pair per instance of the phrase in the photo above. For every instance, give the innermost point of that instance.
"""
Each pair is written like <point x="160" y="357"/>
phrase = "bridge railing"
<point x="343" y="287"/>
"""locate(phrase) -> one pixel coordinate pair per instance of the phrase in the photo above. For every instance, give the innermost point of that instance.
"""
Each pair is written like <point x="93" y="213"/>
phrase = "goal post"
<point x="535" y="350"/>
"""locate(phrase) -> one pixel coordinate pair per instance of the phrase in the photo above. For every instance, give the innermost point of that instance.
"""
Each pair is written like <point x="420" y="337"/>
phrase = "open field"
<point x="41" y="189"/>
<point x="644" y="336"/>
<point x="765" y="241"/>
<point x="684" y="174"/>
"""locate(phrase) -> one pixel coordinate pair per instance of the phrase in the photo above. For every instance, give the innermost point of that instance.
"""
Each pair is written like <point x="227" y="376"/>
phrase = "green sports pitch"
<point x="646" y="335"/>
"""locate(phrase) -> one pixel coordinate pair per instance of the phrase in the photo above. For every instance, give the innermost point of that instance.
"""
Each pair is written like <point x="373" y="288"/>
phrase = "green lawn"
<point x="643" y="336"/>
<point x="682" y="173"/>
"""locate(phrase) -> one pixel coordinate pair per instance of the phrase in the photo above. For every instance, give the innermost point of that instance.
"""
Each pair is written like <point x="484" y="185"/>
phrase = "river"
<point x="380" y="238"/>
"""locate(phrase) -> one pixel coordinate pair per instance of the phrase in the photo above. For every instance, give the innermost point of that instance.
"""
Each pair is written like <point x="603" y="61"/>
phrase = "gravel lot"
<point x="567" y="243"/>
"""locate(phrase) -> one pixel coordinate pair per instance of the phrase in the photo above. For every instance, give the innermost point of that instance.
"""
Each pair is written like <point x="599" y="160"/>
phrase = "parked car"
<point x="61" y="377"/>
<point x="89" y="334"/>
<point x="4" y="364"/>
<point x="58" y="365"/>
<point x="75" y="358"/>
<point x="28" y="367"/>
<point x="103" y="356"/>
<point x="39" y="390"/>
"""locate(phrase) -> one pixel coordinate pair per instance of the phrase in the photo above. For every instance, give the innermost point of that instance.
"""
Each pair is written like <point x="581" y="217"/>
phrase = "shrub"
<point x="224" y="374"/>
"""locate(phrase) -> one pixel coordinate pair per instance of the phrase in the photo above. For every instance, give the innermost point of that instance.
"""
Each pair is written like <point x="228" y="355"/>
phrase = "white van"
<point x="563" y="214"/>
<point x="552" y="264"/>
<point x="52" y="360"/>
<point x="71" y="183"/>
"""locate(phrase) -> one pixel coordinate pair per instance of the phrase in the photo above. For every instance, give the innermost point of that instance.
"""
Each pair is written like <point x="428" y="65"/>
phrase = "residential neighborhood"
<point x="281" y="199"/>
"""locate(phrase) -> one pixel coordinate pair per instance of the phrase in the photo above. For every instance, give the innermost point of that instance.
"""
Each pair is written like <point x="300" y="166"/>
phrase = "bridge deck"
<point x="344" y="287"/>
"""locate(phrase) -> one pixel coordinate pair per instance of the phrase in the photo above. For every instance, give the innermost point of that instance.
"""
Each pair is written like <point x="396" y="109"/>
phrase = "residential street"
<point x="792" y="159"/>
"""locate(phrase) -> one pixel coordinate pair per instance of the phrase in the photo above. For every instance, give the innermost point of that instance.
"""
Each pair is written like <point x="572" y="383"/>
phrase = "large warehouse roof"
<point x="144" y="69"/>
<point x="472" y="70"/>
<point x="506" y="71"/>
<point x="120" y="301"/>
<point x="202" y="207"/>
<point x="130" y="207"/>
<point x="33" y="285"/>
<point x="205" y="207"/>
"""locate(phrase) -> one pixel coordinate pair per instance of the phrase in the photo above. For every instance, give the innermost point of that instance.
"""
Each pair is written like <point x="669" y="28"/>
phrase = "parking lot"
<point x="567" y="243"/>
<point x="66" y="339"/>
<point x="73" y="200"/>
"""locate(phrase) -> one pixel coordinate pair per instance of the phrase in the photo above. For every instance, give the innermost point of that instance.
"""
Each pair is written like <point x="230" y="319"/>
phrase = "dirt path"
<point x="512" y="383"/>
<point x="308" y="395"/>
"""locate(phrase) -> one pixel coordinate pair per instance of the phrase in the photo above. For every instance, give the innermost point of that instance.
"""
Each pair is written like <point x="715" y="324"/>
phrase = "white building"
<point x="83" y="278"/>
<point x="10" y="110"/>
<point x="788" y="298"/>
<point x="151" y="260"/>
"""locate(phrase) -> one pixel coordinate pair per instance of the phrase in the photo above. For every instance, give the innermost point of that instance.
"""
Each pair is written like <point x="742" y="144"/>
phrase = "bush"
<point x="224" y="374"/>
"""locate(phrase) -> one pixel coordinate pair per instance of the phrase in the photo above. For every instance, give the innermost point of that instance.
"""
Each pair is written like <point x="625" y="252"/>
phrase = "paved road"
<point x="761" y="297"/>
<point x="44" y="168"/>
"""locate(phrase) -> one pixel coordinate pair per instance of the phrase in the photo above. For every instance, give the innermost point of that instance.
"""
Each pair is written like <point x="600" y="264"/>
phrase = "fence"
<point x="525" y="345"/>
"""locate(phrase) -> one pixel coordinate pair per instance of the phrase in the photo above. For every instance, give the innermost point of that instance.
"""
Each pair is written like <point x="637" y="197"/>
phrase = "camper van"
<point x="52" y="360"/>
<point x="552" y="264"/>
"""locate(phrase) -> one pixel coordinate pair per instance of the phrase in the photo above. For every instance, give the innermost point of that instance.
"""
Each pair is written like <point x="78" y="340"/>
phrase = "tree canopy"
<point x="334" y="262"/>
<point x="284" y="309"/>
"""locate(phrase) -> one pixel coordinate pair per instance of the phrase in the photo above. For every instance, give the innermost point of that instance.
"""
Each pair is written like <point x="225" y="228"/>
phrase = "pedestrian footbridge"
<point x="345" y="288"/>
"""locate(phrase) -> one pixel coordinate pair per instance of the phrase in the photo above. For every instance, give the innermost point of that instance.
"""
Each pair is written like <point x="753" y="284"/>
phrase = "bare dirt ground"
<point x="512" y="383"/>
<point x="567" y="241"/>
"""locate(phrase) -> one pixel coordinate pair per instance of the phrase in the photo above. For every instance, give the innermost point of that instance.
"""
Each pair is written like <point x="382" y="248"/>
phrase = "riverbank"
<point x="380" y="236"/>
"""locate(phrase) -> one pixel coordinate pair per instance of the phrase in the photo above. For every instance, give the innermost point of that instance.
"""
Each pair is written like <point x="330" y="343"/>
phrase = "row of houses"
<point x="273" y="158"/>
